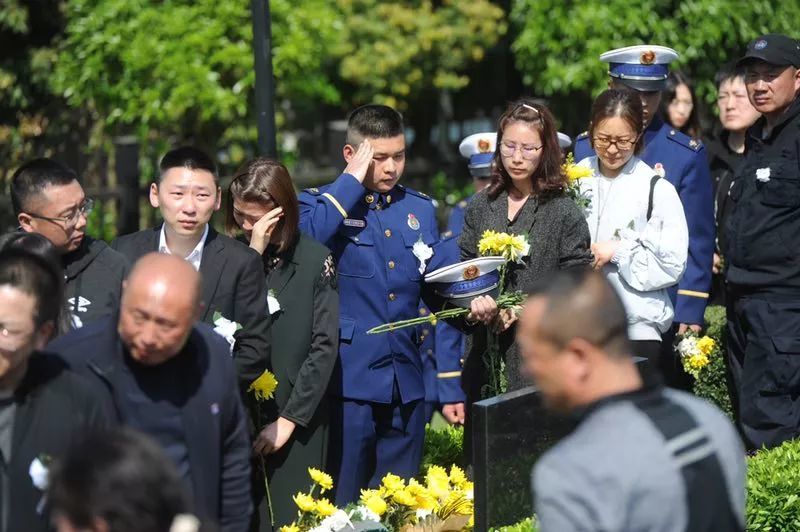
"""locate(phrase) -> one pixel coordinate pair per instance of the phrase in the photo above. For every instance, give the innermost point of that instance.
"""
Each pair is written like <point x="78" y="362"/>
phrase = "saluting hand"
<point x="263" y="228"/>
<point x="359" y="165"/>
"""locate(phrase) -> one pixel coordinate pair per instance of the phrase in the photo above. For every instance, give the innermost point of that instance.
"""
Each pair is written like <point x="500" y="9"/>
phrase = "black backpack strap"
<point x="693" y="452"/>
<point x="650" y="198"/>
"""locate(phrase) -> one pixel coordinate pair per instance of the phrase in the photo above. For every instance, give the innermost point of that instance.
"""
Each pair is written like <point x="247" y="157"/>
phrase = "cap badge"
<point x="470" y="272"/>
<point x="648" y="57"/>
<point x="484" y="146"/>
<point x="760" y="44"/>
<point x="413" y="223"/>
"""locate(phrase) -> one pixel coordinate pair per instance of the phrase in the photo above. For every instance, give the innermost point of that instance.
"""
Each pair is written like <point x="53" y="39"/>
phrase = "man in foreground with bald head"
<point x="173" y="378"/>
<point x="641" y="458"/>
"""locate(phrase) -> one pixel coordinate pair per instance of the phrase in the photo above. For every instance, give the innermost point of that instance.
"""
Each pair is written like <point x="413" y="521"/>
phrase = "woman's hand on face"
<point x="263" y="228"/>
<point x="603" y="252"/>
<point x="483" y="309"/>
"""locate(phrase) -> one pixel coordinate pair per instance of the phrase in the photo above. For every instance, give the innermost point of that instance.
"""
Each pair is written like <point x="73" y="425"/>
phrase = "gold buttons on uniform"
<point x="388" y="233"/>
<point x="388" y="199"/>
<point x="369" y="198"/>
<point x="423" y="311"/>
<point x="391" y="265"/>
<point x="392" y="296"/>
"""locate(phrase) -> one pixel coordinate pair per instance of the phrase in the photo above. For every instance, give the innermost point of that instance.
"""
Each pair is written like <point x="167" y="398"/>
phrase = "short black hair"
<point x="581" y="303"/>
<point x="120" y="476"/>
<point x="373" y="121"/>
<point x="40" y="246"/>
<point x="36" y="275"/>
<point x="33" y="177"/>
<point x="187" y="157"/>
<point x="729" y="71"/>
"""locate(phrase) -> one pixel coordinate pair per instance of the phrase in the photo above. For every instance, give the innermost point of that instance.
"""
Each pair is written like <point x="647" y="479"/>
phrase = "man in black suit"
<point x="172" y="378"/>
<point x="187" y="194"/>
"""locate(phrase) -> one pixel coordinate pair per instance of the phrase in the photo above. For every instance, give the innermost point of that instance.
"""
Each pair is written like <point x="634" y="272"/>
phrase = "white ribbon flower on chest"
<point x="423" y="252"/>
<point x="762" y="174"/>
<point x="226" y="328"/>
<point x="273" y="305"/>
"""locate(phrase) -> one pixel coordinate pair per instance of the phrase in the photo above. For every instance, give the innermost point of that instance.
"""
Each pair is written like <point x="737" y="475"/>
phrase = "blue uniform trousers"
<point x="367" y="438"/>
<point x="764" y="366"/>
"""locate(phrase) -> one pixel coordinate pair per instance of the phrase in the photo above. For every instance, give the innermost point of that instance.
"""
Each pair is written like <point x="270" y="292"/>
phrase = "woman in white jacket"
<point x="639" y="234"/>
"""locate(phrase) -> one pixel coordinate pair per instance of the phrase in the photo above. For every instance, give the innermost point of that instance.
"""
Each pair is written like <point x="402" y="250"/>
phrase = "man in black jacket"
<point x="43" y="407"/>
<point x="173" y="379"/>
<point x="763" y="271"/>
<point x="234" y="290"/>
<point x="49" y="200"/>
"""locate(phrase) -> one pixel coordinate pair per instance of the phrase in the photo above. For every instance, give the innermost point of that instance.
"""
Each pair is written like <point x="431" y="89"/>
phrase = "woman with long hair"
<point x="526" y="197"/>
<point x="304" y="308"/>
<point x="679" y="105"/>
<point x="639" y="233"/>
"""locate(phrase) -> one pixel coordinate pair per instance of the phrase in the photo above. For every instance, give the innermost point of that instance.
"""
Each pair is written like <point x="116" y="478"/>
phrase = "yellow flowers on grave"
<point x="321" y="479"/>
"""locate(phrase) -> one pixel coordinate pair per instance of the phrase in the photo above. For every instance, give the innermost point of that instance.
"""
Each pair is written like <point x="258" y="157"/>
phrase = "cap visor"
<point x="756" y="56"/>
<point x="643" y="85"/>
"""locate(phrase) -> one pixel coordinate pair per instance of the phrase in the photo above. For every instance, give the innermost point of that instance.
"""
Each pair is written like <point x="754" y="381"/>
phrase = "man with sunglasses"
<point x="682" y="161"/>
<point x="761" y="244"/>
<point x="48" y="199"/>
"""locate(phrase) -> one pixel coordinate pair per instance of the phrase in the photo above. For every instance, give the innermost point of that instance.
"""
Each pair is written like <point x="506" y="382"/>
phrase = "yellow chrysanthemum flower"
<point x="264" y="386"/>
<point x="696" y="362"/>
<point x="510" y="247"/>
<point x="437" y="482"/>
<point x="374" y="502"/>
<point x="305" y="502"/>
<point x="290" y="528"/>
<point x="321" y="478"/>
<point x="405" y="498"/>
<point x="573" y="171"/>
<point x="457" y="476"/>
<point x="392" y="483"/>
<point x="325" y="508"/>
<point x="706" y="345"/>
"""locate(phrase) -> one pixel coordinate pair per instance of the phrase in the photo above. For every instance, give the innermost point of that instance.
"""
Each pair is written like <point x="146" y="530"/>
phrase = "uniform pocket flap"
<point x="347" y="328"/>
<point x="786" y="344"/>
<point x="358" y="235"/>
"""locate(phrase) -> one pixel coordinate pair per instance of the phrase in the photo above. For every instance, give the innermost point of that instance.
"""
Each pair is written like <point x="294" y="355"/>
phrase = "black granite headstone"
<point x="509" y="433"/>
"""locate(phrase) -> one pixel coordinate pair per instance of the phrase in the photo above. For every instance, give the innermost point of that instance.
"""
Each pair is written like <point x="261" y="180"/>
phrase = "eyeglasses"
<point x="622" y="144"/>
<point x="70" y="221"/>
<point x="508" y="149"/>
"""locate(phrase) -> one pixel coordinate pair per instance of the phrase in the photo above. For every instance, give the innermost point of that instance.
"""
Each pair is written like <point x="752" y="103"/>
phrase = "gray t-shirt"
<point x="617" y="471"/>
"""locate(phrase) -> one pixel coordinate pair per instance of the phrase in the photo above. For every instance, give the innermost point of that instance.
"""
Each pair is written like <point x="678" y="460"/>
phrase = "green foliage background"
<point x="773" y="489"/>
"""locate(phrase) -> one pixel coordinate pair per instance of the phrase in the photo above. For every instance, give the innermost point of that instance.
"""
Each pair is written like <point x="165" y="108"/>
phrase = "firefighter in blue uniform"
<point x="382" y="236"/>
<point x="682" y="161"/>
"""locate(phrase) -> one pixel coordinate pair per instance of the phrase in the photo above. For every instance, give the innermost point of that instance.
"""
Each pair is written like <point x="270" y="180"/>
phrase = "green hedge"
<point x="773" y="489"/>
<point x="443" y="446"/>
<point x="527" y="525"/>
<point x="712" y="385"/>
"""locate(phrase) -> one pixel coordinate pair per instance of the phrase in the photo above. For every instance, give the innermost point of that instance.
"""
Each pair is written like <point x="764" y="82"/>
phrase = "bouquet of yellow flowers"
<point x="443" y="503"/>
<point x="696" y="353"/>
<point x="574" y="174"/>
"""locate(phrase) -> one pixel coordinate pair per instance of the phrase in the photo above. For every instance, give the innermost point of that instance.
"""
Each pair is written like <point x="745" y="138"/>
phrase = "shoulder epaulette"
<point x="684" y="140"/>
<point x="314" y="191"/>
<point x="462" y="204"/>
<point x="582" y="136"/>
<point x="415" y="193"/>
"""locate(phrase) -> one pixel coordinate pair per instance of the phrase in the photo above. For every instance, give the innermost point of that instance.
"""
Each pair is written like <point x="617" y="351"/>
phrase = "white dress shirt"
<point x="192" y="258"/>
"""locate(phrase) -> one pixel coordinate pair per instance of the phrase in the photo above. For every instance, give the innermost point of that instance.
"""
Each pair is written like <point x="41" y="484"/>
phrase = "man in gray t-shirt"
<point x="641" y="458"/>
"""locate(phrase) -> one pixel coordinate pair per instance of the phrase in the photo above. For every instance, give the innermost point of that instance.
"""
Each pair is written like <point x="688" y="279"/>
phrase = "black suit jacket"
<point x="216" y="431"/>
<point x="233" y="285"/>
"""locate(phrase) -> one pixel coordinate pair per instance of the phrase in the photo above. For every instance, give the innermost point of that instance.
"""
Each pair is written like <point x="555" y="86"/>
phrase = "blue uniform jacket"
<point x="372" y="237"/>
<point x="684" y="164"/>
<point x="215" y="427"/>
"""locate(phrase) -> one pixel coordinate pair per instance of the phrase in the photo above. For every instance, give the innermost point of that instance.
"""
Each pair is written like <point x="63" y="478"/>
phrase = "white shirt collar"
<point x="192" y="258"/>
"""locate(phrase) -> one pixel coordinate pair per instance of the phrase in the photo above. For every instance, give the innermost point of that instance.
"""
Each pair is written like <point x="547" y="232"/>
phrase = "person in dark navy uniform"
<point x="762" y="240"/>
<point x="682" y="161"/>
<point x="382" y="236"/>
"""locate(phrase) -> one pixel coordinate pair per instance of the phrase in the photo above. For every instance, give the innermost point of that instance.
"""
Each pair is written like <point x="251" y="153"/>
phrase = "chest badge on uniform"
<point x="660" y="171"/>
<point x="762" y="174"/>
<point x="351" y="222"/>
<point x="413" y="223"/>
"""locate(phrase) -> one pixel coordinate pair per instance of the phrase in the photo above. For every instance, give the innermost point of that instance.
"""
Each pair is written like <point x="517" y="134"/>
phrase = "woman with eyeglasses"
<point x="639" y="233"/>
<point x="526" y="197"/>
<point x="304" y="307"/>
